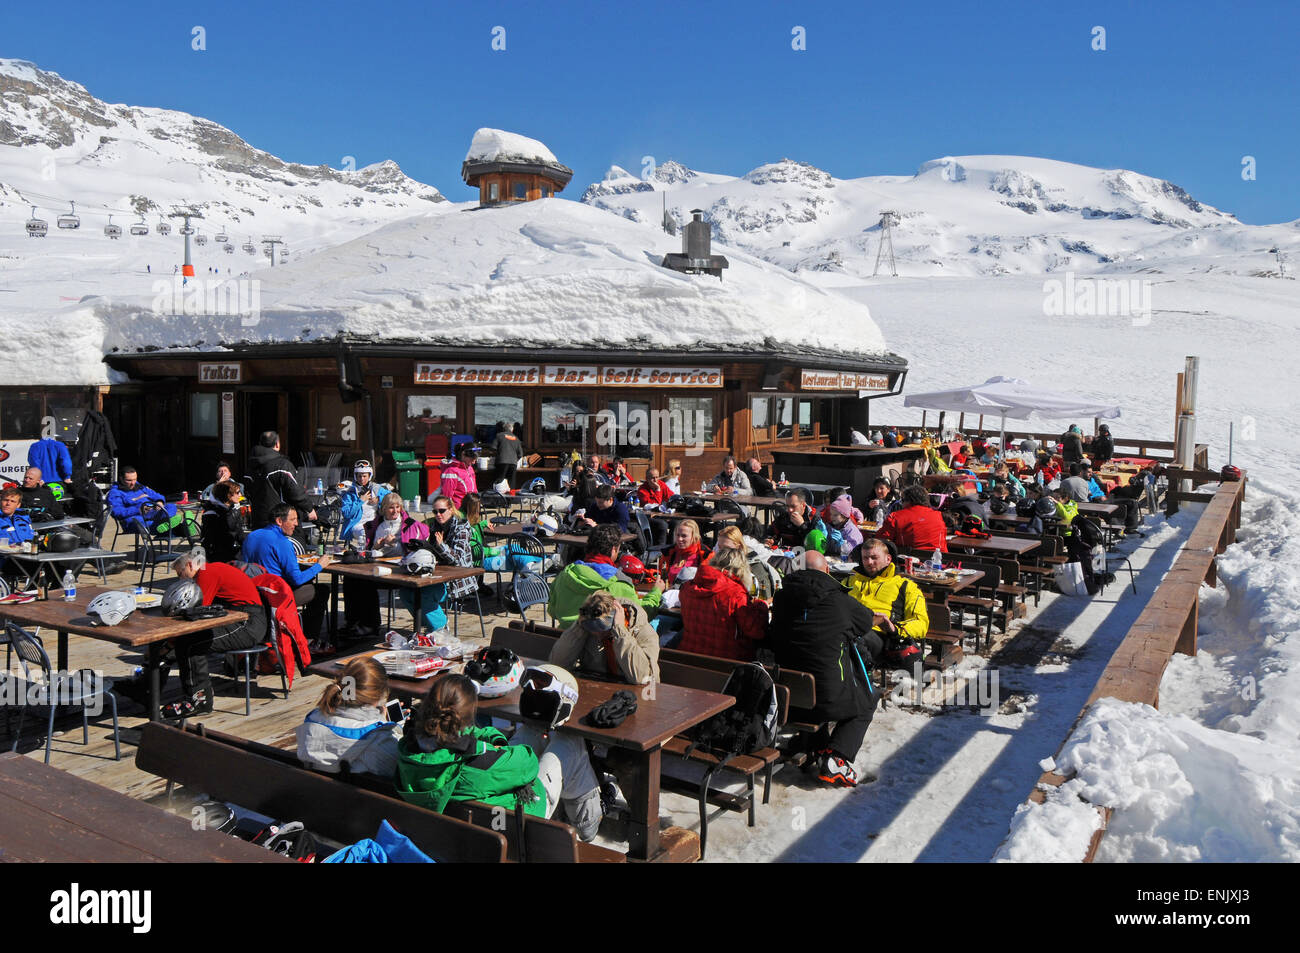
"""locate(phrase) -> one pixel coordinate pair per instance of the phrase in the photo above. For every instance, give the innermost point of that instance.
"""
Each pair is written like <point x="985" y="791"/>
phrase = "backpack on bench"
<point x="749" y="724"/>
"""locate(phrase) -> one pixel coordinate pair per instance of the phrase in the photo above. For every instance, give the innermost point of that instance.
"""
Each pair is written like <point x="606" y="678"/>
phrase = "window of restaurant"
<point x="427" y="414"/>
<point x="564" y="420"/>
<point x="20" y="418"/>
<point x="68" y="413"/>
<point x="629" y="428"/>
<point x="203" y="415"/>
<point x="494" y="191"/>
<point x="521" y="191"/>
<point x="760" y="418"/>
<point x="494" y="409"/>
<point x="690" y="421"/>
<point x="336" y="422"/>
<point x="806" y="426"/>
<point x="784" y="417"/>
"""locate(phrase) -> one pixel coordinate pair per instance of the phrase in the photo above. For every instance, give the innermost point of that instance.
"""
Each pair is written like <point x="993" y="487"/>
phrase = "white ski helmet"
<point x="110" y="608"/>
<point x="418" y="562"/>
<point x="181" y="595"/>
<point x="549" y="695"/>
<point x="495" y="671"/>
<point x="548" y="525"/>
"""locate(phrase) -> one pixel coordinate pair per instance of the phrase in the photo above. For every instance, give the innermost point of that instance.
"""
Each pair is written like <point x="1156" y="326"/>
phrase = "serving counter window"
<point x="494" y="409"/>
<point x="784" y="418"/>
<point x="690" y="421"/>
<point x="760" y="419"/>
<point x="806" y="426"/>
<point x="630" y="426"/>
<point x="427" y="414"/>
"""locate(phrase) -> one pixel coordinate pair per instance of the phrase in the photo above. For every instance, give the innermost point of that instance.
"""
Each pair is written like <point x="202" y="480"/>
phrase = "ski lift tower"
<point x="887" y="221"/>
<point x="187" y="213"/>
<point x="270" y="241"/>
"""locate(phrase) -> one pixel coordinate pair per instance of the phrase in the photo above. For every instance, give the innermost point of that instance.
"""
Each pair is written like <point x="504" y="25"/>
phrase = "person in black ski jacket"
<point x="1103" y="446"/>
<point x="223" y="526"/>
<point x="819" y="628"/>
<point x="758" y="481"/>
<point x="275" y="481"/>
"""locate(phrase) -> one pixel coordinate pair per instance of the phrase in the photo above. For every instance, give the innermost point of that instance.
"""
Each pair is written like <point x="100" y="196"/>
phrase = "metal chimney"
<point x="697" y="256"/>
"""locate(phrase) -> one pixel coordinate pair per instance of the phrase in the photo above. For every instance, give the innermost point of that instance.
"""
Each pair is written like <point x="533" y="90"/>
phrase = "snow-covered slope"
<point x="957" y="216"/>
<point x="59" y="144"/>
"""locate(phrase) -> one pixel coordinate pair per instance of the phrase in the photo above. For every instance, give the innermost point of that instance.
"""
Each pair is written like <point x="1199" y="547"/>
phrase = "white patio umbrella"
<point x="1014" y="398"/>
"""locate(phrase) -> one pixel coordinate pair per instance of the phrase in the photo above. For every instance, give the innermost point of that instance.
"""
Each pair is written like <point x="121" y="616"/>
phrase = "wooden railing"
<point x="1161" y="451"/>
<point x="1167" y="624"/>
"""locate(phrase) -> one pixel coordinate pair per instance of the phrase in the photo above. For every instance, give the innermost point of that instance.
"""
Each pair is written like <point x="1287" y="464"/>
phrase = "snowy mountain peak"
<point x="790" y="171"/>
<point x="672" y="172"/>
<point x="616" y="181"/>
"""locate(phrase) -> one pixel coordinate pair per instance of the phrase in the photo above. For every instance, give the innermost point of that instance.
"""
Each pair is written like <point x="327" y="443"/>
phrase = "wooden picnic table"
<point x="941" y="586"/>
<point x="1014" y="545"/>
<point x="144" y="627"/>
<point x="397" y="577"/>
<point x="31" y="565"/>
<point x="678" y="517"/>
<point x="669" y="711"/>
<point x="1099" y="509"/>
<point x="766" y="502"/>
<point x="50" y="816"/>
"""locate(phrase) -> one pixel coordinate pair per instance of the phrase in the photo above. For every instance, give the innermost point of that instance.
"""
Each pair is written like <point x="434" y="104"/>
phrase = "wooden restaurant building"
<point x="591" y="332"/>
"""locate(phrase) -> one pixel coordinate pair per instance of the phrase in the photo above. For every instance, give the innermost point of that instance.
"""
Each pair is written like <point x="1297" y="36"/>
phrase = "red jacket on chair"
<point x="291" y="641"/>
<point x="719" y="617"/>
<point x="658" y="494"/>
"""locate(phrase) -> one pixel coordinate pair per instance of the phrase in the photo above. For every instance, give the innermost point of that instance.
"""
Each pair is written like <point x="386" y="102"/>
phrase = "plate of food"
<point x="309" y="560"/>
<point x="147" y="600"/>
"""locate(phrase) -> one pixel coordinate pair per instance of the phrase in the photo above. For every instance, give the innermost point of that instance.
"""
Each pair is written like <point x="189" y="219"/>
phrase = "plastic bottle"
<point x="782" y="480"/>
<point x="69" y="586"/>
<point x="421" y="666"/>
<point x="936" y="560"/>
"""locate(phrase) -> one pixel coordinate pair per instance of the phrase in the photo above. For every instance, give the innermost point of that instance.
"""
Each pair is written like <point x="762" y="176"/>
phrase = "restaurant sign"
<point x="569" y="375"/>
<point x="221" y="373"/>
<point x="845" y="380"/>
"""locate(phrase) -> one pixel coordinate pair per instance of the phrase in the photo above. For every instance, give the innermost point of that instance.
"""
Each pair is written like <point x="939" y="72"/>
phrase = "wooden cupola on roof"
<point x="507" y="167"/>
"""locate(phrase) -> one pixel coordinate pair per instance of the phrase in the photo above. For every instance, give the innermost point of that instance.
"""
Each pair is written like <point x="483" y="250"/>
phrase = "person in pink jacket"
<point x="458" y="477"/>
<point x="391" y="532"/>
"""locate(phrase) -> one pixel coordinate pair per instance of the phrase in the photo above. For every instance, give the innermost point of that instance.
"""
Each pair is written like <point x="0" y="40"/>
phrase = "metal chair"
<point x="645" y="534"/>
<point x="457" y="608"/>
<point x="530" y="590"/>
<point x="494" y="501"/>
<point x="272" y="635"/>
<point x="149" y="551"/>
<point x="72" y="689"/>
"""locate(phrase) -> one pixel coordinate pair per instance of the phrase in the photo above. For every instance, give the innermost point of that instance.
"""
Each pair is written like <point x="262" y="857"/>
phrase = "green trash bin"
<point x="408" y="472"/>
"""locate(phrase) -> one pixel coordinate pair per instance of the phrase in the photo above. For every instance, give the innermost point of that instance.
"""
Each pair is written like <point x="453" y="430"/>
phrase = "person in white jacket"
<point x="349" y="724"/>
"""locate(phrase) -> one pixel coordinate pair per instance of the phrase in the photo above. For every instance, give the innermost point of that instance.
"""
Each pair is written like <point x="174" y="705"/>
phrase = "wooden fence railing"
<point x="1167" y="624"/>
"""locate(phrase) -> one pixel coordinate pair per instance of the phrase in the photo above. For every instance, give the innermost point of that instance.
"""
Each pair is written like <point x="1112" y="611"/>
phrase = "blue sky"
<point x="1182" y="91"/>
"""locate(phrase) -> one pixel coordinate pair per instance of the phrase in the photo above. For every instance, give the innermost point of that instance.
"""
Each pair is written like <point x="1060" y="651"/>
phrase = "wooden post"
<point x="981" y="425"/>
<point x="923" y="413"/>
<point x="961" y="423"/>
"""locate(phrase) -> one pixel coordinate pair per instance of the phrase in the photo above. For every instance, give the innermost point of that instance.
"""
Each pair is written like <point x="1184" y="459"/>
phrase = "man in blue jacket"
<point x="15" y="527"/>
<point x="129" y="499"/>
<point x="271" y="548"/>
<point x="51" y="457"/>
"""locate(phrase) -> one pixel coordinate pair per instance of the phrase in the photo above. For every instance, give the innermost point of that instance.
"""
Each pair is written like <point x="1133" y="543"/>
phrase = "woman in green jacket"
<point x="444" y="756"/>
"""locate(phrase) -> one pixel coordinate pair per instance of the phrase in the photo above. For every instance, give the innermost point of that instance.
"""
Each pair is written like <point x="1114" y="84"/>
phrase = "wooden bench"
<point x="228" y="771"/>
<point x="538" y="644"/>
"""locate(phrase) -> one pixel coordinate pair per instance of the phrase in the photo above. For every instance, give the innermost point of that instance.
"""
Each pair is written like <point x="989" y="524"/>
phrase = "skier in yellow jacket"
<point x="898" y="603"/>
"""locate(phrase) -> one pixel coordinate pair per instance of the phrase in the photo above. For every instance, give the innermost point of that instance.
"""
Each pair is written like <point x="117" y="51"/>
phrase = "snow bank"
<point x="491" y="145"/>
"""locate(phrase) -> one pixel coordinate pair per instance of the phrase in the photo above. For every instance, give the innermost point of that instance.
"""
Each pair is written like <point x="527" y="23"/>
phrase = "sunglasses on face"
<point x="441" y="511"/>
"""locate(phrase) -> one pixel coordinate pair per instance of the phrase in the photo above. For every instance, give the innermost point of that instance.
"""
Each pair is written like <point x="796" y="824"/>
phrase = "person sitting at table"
<point x="1095" y="490"/>
<point x="1076" y="486"/>
<point x="360" y="501"/>
<point x="392" y="532"/>
<point x="719" y="616"/>
<point x="1002" y="476"/>
<point x="841" y="534"/>
<point x="1128" y="513"/>
<point x="838" y="493"/>
<point x="605" y="510"/>
<point x="348" y="725"/>
<point x="15" y="527"/>
<point x="883" y="501"/>
<point x="448" y="536"/>
<point x="900" y="617"/>
<point x="758" y="480"/>
<point x="1029" y="445"/>
<point x="600" y="470"/>
<point x="612" y="638"/>
<point x="224" y="584"/>
<point x="444" y="755"/>
<point x="965" y="502"/>
<point x="595" y="572"/>
<point x="732" y="478"/>
<point x="271" y="548"/>
<point x="673" y="476"/>
<point x="223" y="524"/>
<point x="687" y="551"/>
<point x="223" y="476"/>
<point x="961" y="457"/>
<point x="818" y="628"/>
<point x="458" y="477"/>
<point x="38" y="497"/>
<point x="654" y="491"/>
<point x="1066" y="507"/>
<point x="617" y="472"/>
<point x="130" y="499"/>
<point x="917" y="525"/>
<point x="582" y="487"/>
<point x="1047" y="468"/>
<point x="792" y="526"/>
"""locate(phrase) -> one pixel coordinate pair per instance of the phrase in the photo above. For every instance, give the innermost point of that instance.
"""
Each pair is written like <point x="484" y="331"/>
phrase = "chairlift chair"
<point x="37" y="227"/>
<point x="221" y="238"/>
<point x="200" y="239"/>
<point x="228" y="249"/>
<point x="70" y="220"/>
<point x="111" y="230"/>
<point x="187" y="229"/>
<point x="249" y="247"/>
<point x="140" y="228"/>
<point x="164" y="228"/>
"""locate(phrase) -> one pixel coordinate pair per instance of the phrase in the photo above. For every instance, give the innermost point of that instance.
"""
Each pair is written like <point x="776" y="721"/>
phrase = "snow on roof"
<point x="551" y="273"/>
<point x="497" y="145"/>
